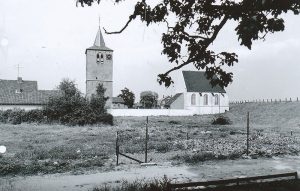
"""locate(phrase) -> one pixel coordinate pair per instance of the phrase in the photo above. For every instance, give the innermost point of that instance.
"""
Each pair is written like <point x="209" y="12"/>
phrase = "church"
<point x="99" y="70"/>
<point x="198" y="96"/>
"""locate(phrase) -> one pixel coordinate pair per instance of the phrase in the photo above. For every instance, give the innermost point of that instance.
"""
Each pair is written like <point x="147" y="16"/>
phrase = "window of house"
<point x="205" y="99"/>
<point x="193" y="99"/>
<point x="217" y="100"/>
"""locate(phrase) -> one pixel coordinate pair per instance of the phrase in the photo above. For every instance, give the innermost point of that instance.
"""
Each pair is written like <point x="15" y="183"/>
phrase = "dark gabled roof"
<point x="39" y="97"/>
<point x="10" y="86"/>
<point x="172" y="99"/>
<point x="118" y="100"/>
<point x="195" y="81"/>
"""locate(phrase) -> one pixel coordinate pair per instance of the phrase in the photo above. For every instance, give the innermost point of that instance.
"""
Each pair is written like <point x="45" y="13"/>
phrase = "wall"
<point x="25" y="107"/>
<point x="178" y="103"/>
<point x="150" y="112"/>
<point x="210" y="108"/>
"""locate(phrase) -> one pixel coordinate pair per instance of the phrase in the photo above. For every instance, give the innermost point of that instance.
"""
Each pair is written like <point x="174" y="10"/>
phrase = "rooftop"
<point x="196" y="81"/>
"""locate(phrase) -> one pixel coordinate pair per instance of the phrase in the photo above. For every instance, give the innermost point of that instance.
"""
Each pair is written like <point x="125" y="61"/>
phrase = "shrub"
<point x="71" y="108"/>
<point x="163" y="147"/>
<point x="198" y="157"/>
<point x="139" y="185"/>
<point x="5" y="115"/>
<point x="16" y="116"/>
<point x="221" y="120"/>
<point x="34" y="116"/>
<point x="175" y="122"/>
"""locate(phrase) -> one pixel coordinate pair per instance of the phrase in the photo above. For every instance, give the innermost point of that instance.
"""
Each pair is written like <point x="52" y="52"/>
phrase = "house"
<point x="23" y="94"/>
<point x="163" y="102"/>
<point x="199" y="96"/>
<point x="118" y="103"/>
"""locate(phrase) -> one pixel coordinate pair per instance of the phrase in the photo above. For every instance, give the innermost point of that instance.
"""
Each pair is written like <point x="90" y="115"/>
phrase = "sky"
<point x="48" y="38"/>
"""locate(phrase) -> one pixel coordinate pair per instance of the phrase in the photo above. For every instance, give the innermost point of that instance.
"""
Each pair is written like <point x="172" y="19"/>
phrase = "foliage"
<point x="139" y="185"/>
<point x="73" y="109"/>
<point x="69" y="107"/>
<point x="149" y="99"/>
<point x="18" y="116"/>
<point x="128" y="97"/>
<point x="98" y="101"/>
<point x="197" y="24"/>
<point x="221" y="120"/>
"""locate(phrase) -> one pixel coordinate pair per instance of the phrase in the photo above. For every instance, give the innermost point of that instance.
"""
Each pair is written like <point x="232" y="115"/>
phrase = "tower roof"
<point x="99" y="43"/>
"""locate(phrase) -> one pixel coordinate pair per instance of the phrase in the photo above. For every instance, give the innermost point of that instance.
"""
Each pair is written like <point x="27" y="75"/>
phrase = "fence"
<point x="237" y="181"/>
<point x="266" y="100"/>
<point x="192" y="141"/>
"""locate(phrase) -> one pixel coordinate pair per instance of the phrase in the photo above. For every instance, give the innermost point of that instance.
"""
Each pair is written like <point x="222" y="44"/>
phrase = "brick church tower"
<point x="99" y="68"/>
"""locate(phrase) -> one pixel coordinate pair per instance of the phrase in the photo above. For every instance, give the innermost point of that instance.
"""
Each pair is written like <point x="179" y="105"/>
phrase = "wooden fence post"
<point x="117" y="147"/>
<point x="146" y="142"/>
<point x="248" y="115"/>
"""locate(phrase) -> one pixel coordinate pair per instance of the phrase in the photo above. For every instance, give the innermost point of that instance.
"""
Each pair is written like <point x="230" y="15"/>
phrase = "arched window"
<point x="205" y="99"/>
<point x="102" y="59"/>
<point x="193" y="99"/>
<point x="98" y="58"/>
<point x="217" y="101"/>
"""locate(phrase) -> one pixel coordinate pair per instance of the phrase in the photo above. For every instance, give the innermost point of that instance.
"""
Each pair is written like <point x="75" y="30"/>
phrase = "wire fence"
<point x="265" y="100"/>
<point x="165" y="144"/>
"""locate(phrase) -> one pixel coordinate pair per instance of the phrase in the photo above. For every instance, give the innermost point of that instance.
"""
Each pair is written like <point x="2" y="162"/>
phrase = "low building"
<point x="199" y="95"/>
<point x="23" y="95"/>
<point x="118" y="103"/>
<point x="163" y="102"/>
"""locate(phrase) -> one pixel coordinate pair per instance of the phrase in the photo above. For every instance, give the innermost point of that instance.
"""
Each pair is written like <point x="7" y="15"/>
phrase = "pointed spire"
<point x="99" y="41"/>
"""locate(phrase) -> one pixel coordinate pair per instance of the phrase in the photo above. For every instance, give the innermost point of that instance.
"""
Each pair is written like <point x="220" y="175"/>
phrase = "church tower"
<point x="99" y="68"/>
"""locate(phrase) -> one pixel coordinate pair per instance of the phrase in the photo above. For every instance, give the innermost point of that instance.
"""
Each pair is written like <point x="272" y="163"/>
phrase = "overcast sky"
<point x="48" y="39"/>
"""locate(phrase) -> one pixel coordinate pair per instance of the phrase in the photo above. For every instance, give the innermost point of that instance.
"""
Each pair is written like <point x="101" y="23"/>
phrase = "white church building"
<point x="199" y="96"/>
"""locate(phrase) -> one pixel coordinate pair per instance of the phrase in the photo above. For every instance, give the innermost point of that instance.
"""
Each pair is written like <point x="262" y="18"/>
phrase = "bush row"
<point x="69" y="107"/>
<point x="18" y="116"/>
<point x="78" y="117"/>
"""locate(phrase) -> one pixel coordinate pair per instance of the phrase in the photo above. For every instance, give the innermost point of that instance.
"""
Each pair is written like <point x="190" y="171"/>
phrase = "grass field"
<point x="41" y="149"/>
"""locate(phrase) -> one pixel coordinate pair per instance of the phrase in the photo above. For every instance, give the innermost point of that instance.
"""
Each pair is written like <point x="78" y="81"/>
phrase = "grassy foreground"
<point x="40" y="149"/>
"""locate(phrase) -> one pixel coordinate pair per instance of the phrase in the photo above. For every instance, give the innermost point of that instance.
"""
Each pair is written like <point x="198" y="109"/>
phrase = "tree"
<point x="149" y="99"/>
<point x="70" y="99"/>
<point x="71" y="108"/>
<point x="128" y="97"/>
<point x="197" y="25"/>
<point x="98" y="101"/>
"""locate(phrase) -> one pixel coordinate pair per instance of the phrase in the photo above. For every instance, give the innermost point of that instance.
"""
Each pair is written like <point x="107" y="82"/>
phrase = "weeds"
<point x="139" y="185"/>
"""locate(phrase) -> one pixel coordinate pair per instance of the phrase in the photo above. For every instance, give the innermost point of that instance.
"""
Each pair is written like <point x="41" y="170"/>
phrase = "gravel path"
<point x="202" y="171"/>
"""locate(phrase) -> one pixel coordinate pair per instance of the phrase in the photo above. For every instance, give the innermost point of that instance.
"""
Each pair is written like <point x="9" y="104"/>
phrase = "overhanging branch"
<point x="120" y="31"/>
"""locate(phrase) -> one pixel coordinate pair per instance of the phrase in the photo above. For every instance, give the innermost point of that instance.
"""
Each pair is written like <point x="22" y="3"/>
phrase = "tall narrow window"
<point x="205" y="99"/>
<point x="98" y="58"/>
<point x="217" y="101"/>
<point x="102" y="59"/>
<point x="193" y="99"/>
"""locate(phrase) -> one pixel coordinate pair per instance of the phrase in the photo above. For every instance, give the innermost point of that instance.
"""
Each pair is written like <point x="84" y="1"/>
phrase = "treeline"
<point x="70" y="107"/>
